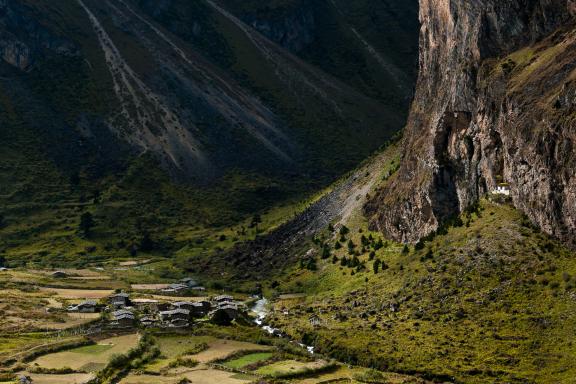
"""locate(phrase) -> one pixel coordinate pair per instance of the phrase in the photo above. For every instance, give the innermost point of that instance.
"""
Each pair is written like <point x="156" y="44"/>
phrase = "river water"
<point x="261" y="309"/>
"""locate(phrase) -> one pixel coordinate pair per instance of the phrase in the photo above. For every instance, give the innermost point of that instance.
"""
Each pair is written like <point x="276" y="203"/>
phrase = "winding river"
<point x="261" y="309"/>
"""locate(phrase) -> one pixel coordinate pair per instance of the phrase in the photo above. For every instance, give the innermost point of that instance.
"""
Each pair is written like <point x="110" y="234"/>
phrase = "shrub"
<point x="183" y="362"/>
<point x="200" y="347"/>
<point x="371" y="376"/>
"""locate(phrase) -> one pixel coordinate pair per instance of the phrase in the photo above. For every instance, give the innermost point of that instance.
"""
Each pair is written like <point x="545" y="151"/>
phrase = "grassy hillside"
<point x="488" y="300"/>
<point x="67" y="150"/>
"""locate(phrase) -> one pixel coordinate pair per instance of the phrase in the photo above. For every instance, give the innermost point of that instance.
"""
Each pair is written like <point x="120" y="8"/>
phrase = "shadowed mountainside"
<point x="101" y="102"/>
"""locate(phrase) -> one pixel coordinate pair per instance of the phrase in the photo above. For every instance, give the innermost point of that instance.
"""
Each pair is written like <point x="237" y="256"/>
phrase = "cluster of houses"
<point x="183" y="285"/>
<point x="126" y="312"/>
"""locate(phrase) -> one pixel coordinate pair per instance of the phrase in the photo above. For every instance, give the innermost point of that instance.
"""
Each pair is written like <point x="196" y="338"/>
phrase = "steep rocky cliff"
<point x="23" y="37"/>
<point x="495" y="106"/>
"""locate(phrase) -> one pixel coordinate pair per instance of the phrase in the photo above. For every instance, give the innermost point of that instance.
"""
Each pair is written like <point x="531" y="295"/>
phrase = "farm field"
<point x="11" y="344"/>
<point x="71" y="320"/>
<point x="206" y="354"/>
<point x="221" y="349"/>
<point x="78" y="293"/>
<point x="356" y="375"/>
<point x="202" y="375"/>
<point x="26" y="311"/>
<point x="247" y="360"/>
<point x="89" y="358"/>
<point x="290" y="367"/>
<point x="79" y="279"/>
<point x="72" y="378"/>
<point x="175" y="345"/>
<point x="149" y="287"/>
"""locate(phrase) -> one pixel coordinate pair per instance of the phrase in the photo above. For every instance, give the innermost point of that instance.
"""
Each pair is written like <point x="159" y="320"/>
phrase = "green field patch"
<point x="177" y="345"/>
<point x="94" y="349"/>
<point x="222" y="349"/>
<point x="92" y="367"/>
<point x="247" y="360"/>
<point x="89" y="358"/>
<point x="291" y="367"/>
<point x="242" y="376"/>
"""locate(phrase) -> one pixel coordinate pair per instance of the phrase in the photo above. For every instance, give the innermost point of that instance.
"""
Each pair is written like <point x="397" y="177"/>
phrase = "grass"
<point x="74" y="378"/>
<point x="175" y="346"/>
<point x="485" y="302"/>
<point x="201" y="376"/>
<point x="78" y="293"/>
<point x="288" y="368"/>
<point x="220" y="349"/>
<point x="94" y="349"/>
<point x="247" y="360"/>
<point x="90" y="358"/>
<point x="178" y="345"/>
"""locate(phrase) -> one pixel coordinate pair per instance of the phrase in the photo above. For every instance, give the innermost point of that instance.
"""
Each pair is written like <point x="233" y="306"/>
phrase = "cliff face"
<point x="23" y="37"/>
<point x="294" y="30"/>
<point x="494" y="104"/>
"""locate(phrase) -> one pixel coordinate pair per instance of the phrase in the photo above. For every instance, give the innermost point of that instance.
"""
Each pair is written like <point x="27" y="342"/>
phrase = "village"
<point x="120" y="310"/>
<point x="87" y="326"/>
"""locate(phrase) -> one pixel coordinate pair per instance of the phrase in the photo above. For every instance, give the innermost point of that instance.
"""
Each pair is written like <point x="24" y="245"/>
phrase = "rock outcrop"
<point x="495" y="105"/>
<point x="23" y="38"/>
<point x="293" y="30"/>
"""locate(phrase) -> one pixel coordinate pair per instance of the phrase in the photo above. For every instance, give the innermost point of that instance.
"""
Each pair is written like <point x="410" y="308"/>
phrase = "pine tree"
<point x="325" y="252"/>
<point x="311" y="266"/>
<point x="86" y="223"/>
<point x="376" y="266"/>
<point x="351" y="244"/>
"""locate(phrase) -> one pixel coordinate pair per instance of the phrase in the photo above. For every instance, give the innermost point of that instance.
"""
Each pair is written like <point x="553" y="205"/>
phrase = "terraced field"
<point x="198" y="376"/>
<point x="89" y="358"/>
<point x="73" y="378"/>
<point x="247" y="360"/>
<point x="291" y="367"/>
<point x="220" y="349"/>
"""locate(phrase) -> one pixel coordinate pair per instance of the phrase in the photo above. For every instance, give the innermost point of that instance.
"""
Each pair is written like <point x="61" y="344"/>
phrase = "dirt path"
<point x="276" y="250"/>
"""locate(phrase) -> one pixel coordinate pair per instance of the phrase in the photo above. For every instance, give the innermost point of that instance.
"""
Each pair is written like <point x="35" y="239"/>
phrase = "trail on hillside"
<point x="347" y="198"/>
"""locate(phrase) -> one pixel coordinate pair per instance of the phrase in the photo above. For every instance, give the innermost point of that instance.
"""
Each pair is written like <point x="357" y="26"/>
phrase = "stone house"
<point x="120" y="300"/>
<point x="223" y="299"/>
<point x="88" y="306"/>
<point x="179" y="323"/>
<point x="123" y="318"/>
<point x="182" y="314"/>
<point x="187" y="305"/>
